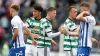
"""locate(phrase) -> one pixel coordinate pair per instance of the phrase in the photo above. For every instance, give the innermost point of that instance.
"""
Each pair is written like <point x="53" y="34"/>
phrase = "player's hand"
<point x="63" y="30"/>
<point x="96" y="41"/>
<point x="35" y="35"/>
<point x="54" y="43"/>
<point x="11" y="43"/>
<point x="35" y="43"/>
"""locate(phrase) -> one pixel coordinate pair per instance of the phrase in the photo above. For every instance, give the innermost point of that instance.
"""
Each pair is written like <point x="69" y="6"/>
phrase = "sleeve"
<point x="52" y="35"/>
<point x="90" y="19"/>
<point x="15" y="24"/>
<point x="48" y="30"/>
<point x="27" y="23"/>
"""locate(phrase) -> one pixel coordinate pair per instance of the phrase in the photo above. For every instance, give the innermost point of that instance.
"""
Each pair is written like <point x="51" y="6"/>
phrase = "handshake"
<point x="63" y="30"/>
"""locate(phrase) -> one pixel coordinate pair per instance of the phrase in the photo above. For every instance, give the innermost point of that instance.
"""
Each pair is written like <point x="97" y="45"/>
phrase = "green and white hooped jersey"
<point x="70" y="41"/>
<point x="34" y="26"/>
<point x="46" y="29"/>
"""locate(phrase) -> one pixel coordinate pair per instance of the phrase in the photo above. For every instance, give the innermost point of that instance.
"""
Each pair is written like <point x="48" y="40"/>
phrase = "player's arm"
<point x="30" y="34"/>
<point x="73" y="29"/>
<point x="15" y="34"/>
<point x="35" y="35"/>
<point x="74" y="33"/>
<point x="96" y="41"/>
<point x="81" y="17"/>
<point x="48" y="30"/>
<point x="27" y="25"/>
<point x="66" y="31"/>
<point x="25" y="33"/>
<point x="53" y="42"/>
<point x="51" y="34"/>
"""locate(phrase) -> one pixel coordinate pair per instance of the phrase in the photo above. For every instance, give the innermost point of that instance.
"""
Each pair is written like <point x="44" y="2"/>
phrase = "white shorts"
<point x="43" y="52"/>
<point x="31" y="50"/>
<point x="71" y="53"/>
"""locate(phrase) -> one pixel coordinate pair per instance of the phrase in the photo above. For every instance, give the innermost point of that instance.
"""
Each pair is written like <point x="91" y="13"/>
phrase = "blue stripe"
<point x="12" y="27"/>
<point x="12" y="32"/>
<point x="86" y="34"/>
<point x="19" y="41"/>
<point x="15" y="44"/>
<point x="82" y="34"/>
<point x="80" y="44"/>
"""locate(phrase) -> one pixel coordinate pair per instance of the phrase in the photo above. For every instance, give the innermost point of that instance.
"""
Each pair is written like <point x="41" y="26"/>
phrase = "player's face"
<point x="11" y="11"/>
<point x="53" y="14"/>
<point x="83" y="9"/>
<point x="73" y="13"/>
<point x="36" y="13"/>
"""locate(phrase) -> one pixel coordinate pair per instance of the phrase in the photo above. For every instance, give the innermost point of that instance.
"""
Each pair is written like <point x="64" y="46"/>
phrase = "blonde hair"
<point x="15" y="7"/>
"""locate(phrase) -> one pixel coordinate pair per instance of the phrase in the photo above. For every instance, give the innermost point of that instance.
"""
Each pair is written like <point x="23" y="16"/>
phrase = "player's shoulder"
<point x="43" y="19"/>
<point x="68" y="20"/>
<point x="30" y="19"/>
<point x="91" y="17"/>
<point x="15" y="18"/>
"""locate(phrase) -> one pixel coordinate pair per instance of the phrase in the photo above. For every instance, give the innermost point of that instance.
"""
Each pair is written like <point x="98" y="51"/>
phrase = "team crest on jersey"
<point x="81" y="54"/>
<point x="19" y="54"/>
<point x="35" y="30"/>
<point x="36" y="27"/>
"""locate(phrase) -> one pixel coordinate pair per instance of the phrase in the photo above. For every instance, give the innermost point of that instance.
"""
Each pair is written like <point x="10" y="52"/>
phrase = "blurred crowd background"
<point x="62" y="13"/>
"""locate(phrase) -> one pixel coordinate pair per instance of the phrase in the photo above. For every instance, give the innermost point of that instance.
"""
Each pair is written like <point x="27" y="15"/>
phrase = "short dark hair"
<point x="50" y="9"/>
<point x="85" y="4"/>
<point x="70" y="7"/>
<point x="38" y="7"/>
<point x="15" y="7"/>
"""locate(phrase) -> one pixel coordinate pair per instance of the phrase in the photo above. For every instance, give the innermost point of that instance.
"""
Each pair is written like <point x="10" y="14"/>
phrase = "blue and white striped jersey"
<point x="16" y="22"/>
<point x="86" y="29"/>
